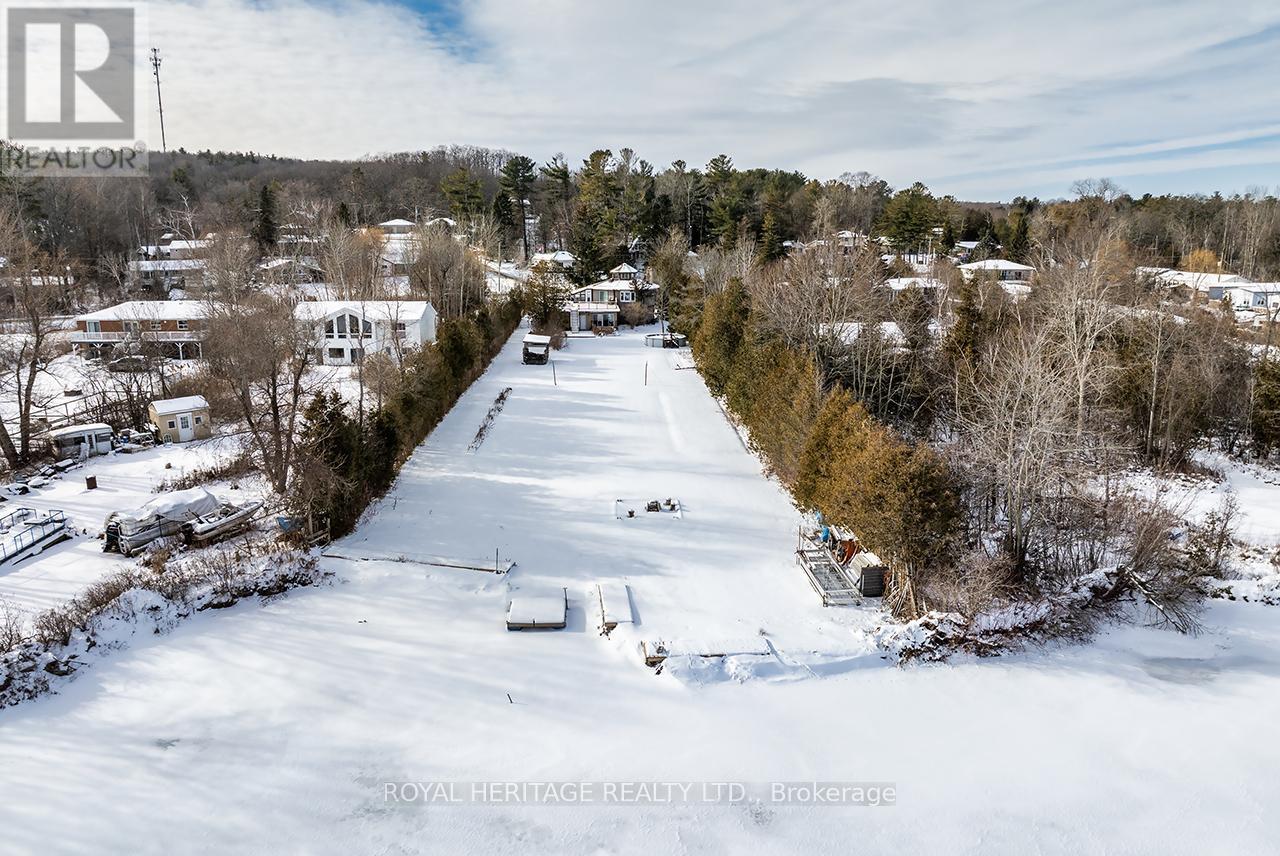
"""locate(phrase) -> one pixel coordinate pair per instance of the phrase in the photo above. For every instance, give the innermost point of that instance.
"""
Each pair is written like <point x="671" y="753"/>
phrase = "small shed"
<point x="180" y="420"/>
<point x="81" y="441"/>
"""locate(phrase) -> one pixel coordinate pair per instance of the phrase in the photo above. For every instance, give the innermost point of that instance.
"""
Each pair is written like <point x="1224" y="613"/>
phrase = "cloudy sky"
<point x="981" y="99"/>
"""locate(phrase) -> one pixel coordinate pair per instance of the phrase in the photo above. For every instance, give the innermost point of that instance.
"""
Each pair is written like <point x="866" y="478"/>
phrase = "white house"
<point x="1213" y="285"/>
<point x="397" y="227"/>
<point x="1001" y="269"/>
<point x="600" y="304"/>
<point x="560" y="259"/>
<point x="1254" y="295"/>
<point x="346" y="330"/>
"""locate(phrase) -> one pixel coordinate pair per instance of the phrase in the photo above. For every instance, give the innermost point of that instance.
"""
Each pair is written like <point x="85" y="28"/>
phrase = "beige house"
<point x="180" y="420"/>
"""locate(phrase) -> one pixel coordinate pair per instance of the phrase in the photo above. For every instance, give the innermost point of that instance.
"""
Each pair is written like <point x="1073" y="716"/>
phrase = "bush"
<point x="345" y="462"/>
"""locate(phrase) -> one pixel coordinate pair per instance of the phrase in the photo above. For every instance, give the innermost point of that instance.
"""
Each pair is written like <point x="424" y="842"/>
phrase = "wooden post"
<point x="646" y="372"/>
<point x="554" y="382"/>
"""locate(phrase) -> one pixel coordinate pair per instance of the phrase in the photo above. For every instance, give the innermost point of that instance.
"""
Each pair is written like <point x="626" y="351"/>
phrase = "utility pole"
<point x="155" y="65"/>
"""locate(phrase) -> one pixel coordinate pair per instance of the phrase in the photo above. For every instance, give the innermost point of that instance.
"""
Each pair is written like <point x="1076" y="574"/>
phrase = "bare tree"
<point x="262" y="353"/>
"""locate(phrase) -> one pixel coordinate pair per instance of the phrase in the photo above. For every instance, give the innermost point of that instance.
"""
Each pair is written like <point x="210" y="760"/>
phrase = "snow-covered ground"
<point x="278" y="728"/>
<point x="125" y="481"/>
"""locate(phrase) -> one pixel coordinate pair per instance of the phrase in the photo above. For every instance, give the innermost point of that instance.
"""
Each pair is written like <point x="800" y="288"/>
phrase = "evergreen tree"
<point x="543" y="297"/>
<point x="266" y="226"/>
<point x="516" y="183"/>
<point x="1019" y="244"/>
<point x="465" y="194"/>
<point x="721" y="334"/>
<point x="594" y="237"/>
<point x="771" y="247"/>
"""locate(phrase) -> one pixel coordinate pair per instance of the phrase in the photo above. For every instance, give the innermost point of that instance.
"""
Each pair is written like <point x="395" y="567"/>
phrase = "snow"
<point x="537" y="611"/>
<point x="149" y="310"/>
<point x="175" y="505"/>
<point x="167" y="406"/>
<point x="125" y="482"/>
<point x="276" y="728"/>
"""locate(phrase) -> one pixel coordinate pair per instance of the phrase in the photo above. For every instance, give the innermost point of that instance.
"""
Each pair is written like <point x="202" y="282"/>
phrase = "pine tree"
<point x="516" y="183"/>
<point x="721" y="333"/>
<point x="266" y="227"/>
<point x="771" y="247"/>
<point x="543" y="297"/>
<point x="465" y="194"/>
<point x="1019" y="239"/>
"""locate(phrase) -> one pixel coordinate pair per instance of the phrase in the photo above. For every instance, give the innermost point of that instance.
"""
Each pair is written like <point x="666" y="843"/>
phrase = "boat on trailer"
<point x="227" y="520"/>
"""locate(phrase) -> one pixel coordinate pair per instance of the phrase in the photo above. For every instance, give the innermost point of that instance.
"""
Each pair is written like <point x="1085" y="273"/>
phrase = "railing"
<point x="140" y="335"/>
<point x="16" y="516"/>
<point x="33" y="534"/>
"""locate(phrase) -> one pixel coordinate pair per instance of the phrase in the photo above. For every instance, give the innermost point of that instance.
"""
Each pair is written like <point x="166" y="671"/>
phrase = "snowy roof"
<point x="169" y="406"/>
<point x="624" y="268"/>
<point x="560" y="257"/>
<point x="168" y="264"/>
<point x="995" y="264"/>
<point x="397" y="224"/>
<point x="968" y="245"/>
<point x="377" y="310"/>
<point x="435" y="221"/>
<point x="149" y="310"/>
<point x="86" y="428"/>
<point x="1257" y="287"/>
<point x="1191" y="279"/>
<point x="903" y="283"/>
<point x="198" y="244"/>
<point x="273" y="264"/>
<point x="535" y="339"/>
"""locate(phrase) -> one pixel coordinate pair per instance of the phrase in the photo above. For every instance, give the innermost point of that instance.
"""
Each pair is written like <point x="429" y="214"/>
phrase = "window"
<point x="625" y="297"/>
<point x="182" y="325"/>
<point x="199" y="420"/>
<point x="93" y="326"/>
<point x="155" y="325"/>
<point x="172" y="424"/>
<point x="131" y="326"/>
<point x="402" y="329"/>
<point x="336" y="353"/>
<point x="186" y="422"/>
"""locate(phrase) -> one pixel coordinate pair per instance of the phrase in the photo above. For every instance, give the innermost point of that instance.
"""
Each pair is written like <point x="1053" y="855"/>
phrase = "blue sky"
<point x="990" y="101"/>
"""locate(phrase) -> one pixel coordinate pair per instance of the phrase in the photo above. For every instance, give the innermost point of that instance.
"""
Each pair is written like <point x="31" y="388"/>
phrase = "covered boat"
<point x="126" y="532"/>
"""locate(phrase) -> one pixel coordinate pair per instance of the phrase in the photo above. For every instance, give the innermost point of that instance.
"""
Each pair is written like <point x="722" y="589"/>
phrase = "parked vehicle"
<point x="128" y="364"/>
<point x="537" y="349"/>
<point x="127" y="532"/>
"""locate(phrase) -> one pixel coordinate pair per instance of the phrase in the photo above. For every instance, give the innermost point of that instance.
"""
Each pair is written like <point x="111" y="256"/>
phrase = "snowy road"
<point x="275" y="729"/>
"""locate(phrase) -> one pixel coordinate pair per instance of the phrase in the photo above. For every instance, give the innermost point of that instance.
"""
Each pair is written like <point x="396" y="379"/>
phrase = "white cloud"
<point x="985" y="99"/>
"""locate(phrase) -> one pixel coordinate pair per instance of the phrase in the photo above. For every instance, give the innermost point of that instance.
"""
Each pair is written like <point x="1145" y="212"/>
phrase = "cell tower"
<point x="155" y="66"/>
